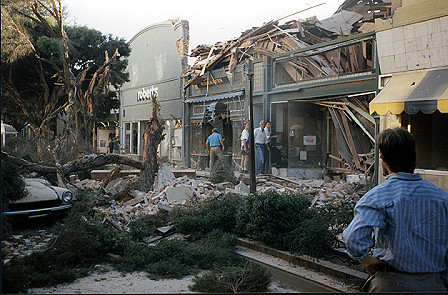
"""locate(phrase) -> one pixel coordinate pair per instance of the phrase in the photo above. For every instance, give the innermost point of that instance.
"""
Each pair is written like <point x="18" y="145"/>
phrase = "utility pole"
<point x="250" y="80"/>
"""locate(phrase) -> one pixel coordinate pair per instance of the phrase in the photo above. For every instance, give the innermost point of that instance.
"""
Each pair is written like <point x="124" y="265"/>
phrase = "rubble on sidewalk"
<point x="22" y="245"/>
<point x="172" y="192"/>
<point x="121" y="204"/>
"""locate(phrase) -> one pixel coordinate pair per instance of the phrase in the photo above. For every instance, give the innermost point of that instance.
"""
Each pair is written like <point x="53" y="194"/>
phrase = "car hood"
<point x="38" y="191"/>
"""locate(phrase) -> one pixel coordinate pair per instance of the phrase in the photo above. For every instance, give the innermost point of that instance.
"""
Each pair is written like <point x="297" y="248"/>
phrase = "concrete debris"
<point x="22" y="245"/>
<point x="179" y="193"/>
<point x="164" y="177"/>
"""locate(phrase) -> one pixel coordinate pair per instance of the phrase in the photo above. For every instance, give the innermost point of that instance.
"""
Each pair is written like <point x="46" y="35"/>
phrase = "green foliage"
<point x="147" y="225"/>
<point x="49" y="47"/>
<point x="268" y="217"/>
<point x="222" y="171"/>
<point x="13" y="186"/>
<point x="312" y="237"/>
<point x="249" y="277"/>
<point x="338" y="215"/>
<point x="175" y="258"/>
<point x="218" y="214"/>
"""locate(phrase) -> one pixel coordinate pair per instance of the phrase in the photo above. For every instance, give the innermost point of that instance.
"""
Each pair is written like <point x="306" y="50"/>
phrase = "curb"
<point x="323" y="266"/>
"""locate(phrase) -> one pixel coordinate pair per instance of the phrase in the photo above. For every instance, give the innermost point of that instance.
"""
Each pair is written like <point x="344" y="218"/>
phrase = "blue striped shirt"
<point x="409" y="219"/>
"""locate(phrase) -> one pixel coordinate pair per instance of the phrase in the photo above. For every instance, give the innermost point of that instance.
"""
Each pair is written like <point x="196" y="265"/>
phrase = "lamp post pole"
<point x="250" y="80"/>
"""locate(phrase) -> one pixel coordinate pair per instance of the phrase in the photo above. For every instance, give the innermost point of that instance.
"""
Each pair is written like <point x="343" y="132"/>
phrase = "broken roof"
<point x="273" y="38"/>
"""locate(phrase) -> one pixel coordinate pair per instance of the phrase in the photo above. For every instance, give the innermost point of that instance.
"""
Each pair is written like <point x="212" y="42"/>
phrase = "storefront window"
<point x="431" y="140"/>
<point x="127" y="137"/>
<point x="237" y="128"/>
<point x="306" y="129"/>
<point x="199" y="134"/>
<point x="134" y="138"/>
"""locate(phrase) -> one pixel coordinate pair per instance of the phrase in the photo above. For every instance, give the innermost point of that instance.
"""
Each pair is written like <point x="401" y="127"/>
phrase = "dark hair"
<point x="268" y="121"/>
<point x="398" y="149"/>
<point x="215" y="130"/>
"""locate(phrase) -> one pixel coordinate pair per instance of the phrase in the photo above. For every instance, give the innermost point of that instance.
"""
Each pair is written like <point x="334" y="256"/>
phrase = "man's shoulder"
<point x="434" y="189"/>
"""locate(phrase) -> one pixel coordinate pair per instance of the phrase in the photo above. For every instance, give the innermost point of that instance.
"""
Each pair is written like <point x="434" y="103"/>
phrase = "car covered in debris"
<point x="42" y="199"/>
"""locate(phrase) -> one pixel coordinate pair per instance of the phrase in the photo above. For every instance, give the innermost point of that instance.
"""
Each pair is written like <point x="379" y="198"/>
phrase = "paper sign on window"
<point x="309" y="140"/>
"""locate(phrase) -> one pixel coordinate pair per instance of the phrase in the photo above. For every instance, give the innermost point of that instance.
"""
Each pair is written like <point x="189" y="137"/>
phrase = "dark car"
<point x="42" y="199"/>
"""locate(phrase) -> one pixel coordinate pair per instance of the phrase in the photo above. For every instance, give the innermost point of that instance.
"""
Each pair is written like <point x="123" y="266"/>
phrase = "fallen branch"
<point x="87" y="162"/>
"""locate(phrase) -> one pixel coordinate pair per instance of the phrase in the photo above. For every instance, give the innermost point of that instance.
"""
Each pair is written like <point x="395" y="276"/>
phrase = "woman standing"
<point x="245" y="148"/>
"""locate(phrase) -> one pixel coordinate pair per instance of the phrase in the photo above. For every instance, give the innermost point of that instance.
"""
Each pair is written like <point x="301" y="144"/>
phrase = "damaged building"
<point x="413" y="57"/>
<point x="154" y="70"/>
<point x="312" y="79"/>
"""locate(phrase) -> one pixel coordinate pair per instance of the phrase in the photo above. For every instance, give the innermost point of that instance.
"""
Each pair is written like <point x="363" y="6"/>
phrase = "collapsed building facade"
<point x="312" y="79"/>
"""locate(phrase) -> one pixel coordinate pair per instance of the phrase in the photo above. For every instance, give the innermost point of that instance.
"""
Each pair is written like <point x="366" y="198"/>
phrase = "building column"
<point x="267" y="86"/>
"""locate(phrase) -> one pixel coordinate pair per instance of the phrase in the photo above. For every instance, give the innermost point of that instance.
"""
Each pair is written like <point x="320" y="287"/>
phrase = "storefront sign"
<point x="147" y="94"/>
<point x="211" y="82"/>
<point x="309" y="140"/>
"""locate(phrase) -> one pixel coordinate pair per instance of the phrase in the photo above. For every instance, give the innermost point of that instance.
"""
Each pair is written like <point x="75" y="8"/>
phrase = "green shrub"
<point x="232" y="279"/>
<point x="222" y="171"/>
<point x="338" y="215"/>
<point x="13" y="186"/>
<point x="312" y="237"/>
<point x="270" y="216"/>
<point x="36" y="270"/>
<point x="147" y="225"/>
<point x="176" y="258"/>
<point x="218" y="214"/>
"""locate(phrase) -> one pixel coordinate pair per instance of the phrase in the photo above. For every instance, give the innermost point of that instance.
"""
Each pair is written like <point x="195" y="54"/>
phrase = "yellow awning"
<point x="392" y="96"/>
<point x="424" y="91"/>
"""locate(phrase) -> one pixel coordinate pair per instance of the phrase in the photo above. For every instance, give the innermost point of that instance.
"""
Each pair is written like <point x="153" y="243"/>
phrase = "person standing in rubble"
<point x="245" y="148"/>
<point x="116" y="145"/>
<point x="214" y="145"/>
<point x="269" y="137"/>
<point x="261" y="144"/>
<point x="409" y="219"/>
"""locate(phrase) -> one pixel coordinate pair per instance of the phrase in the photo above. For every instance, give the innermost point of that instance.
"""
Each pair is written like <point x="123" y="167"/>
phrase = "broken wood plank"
<point x="112" y="175"/>
<point x="350" y="141"/>
<point x="359" y="123"/>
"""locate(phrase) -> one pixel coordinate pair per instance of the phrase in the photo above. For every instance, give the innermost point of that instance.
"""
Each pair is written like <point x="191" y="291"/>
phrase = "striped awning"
<point x="425" y="91"/>
<point x="215" y="97"/>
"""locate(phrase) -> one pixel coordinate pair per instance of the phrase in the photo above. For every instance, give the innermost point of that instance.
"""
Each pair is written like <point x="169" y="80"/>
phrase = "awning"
<point x="425" y="91"/>
<point x="215" y="97"/>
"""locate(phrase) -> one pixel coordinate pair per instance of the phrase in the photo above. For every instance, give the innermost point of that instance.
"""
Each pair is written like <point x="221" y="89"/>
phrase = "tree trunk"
<point x="86" y="162"/>
<point x="151" y="140"/>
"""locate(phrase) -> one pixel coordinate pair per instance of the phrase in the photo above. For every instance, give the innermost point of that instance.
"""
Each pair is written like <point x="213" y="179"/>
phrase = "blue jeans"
<point x="259" y="154"/>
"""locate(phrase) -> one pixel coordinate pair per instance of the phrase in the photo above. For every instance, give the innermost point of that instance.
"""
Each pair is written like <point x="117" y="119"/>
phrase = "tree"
<point x="152" y="137"/>
<point x="49" y="69"/>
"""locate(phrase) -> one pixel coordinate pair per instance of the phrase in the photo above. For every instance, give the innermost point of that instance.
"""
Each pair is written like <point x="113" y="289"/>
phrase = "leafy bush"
<point x="218" y="214"/>
<point x="338" y="215"/>
<point x="249" y="277"/>
<point x="312" y="237"/>
<point x="147" y="225"/>
<point x="176" y="258"/>
<point x="13" y="186"/>
<point x="270" y="216"/>
<point x="222" y="171"/>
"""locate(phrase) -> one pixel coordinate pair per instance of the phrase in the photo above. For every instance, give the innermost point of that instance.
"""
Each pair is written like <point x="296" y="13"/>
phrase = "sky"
<point x="209" y="21"/>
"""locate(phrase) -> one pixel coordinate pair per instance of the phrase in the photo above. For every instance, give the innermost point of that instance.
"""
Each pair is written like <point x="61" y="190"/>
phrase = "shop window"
<point x="431" y="140"/>
<point x="199" y="134"/>
<point x="127" y="137"/>
<point x="306" y="129"/>
<point x="134" y="138"/>
<point x="237" y="128"/>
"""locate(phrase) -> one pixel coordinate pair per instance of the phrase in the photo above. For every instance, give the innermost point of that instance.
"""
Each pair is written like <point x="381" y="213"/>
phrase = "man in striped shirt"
<point x="408" y="217"/>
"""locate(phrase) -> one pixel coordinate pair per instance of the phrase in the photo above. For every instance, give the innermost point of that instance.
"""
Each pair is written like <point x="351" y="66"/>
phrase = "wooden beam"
<point x="350" y="142"/>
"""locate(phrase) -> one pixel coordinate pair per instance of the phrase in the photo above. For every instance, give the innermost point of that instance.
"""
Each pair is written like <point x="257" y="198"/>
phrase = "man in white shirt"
<point x="261" y="144"/>
<point x="267" y="130"/>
